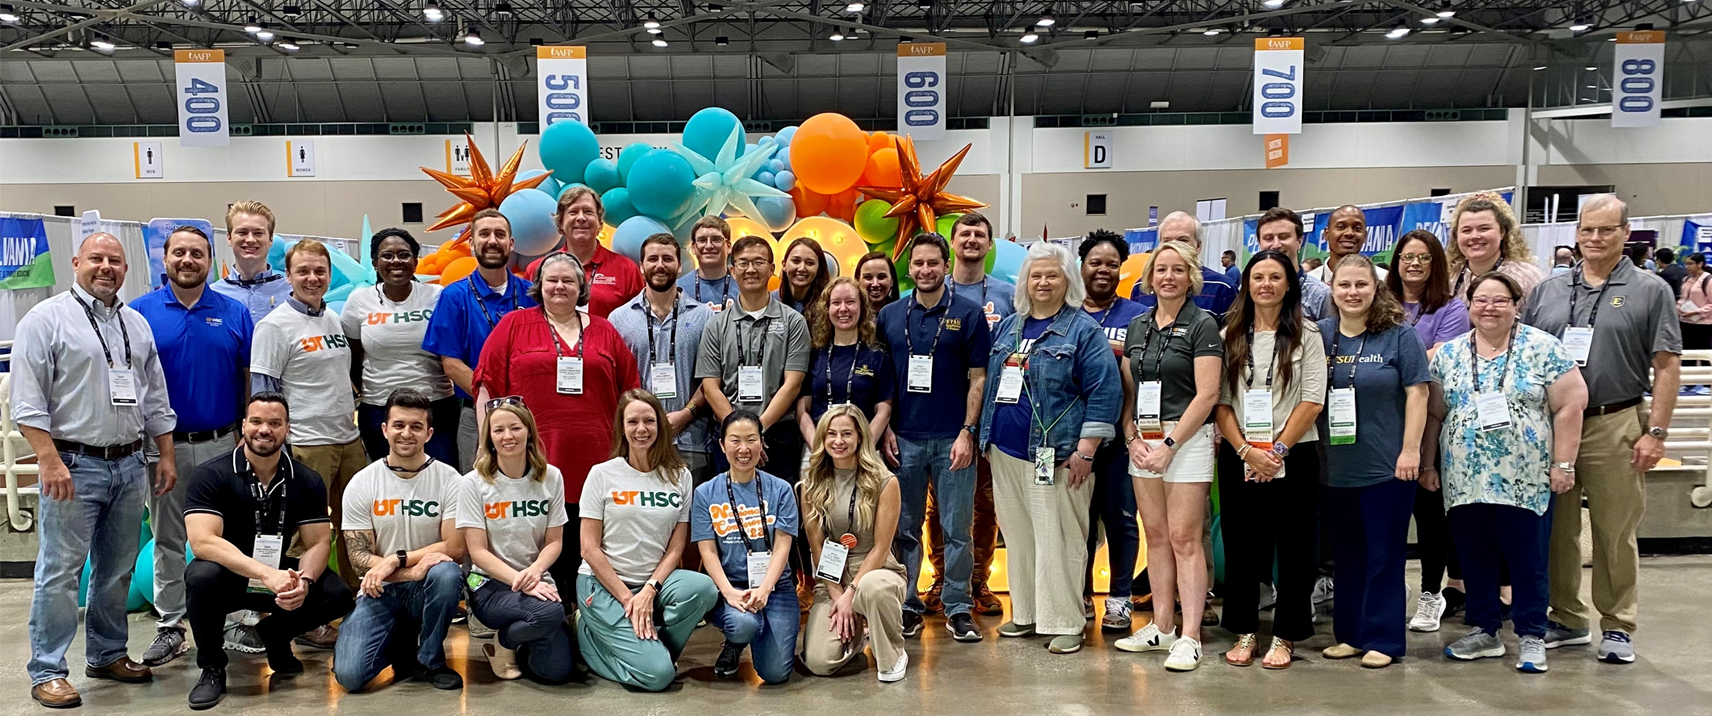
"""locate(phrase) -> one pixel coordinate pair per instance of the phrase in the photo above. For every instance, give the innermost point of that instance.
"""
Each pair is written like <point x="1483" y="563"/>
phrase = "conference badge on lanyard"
<point x="759" y="563"/>
<point x="1257" y="418"/>
<point x="749" y="384"/>
<point x="122" y="386"/>
<point x="1342" y="416"/>
<point x="1147" y="410"/>
<point x="921" y="374"/>
<point x="1492" y="410"/>
<point x="1579" y="342"/>
<point x="570" y="375"/>
<point x="833" y="555"/>
<point x="268" y="549"/>
<point x="1010" y="385"/>
<point x="1045" y="460"/>
<point x="664" y="377"/>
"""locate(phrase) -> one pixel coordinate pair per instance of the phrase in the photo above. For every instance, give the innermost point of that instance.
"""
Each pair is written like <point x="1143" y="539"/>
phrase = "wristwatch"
<point x="1658" y="432"/>
<point x="403" y="558"/>
<point x="655" y="583"/>
<point x="1170" y="442"/>
<point x="1085" y="457"/>
<point x="1280" y="449"/>
<point x="974" y="430"/>
<point x="1568" y="468"/>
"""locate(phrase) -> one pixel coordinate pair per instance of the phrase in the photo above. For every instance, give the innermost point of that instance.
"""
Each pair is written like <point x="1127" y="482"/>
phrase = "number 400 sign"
<point x="1278" y="69"/>
<point x="201" y="98"/>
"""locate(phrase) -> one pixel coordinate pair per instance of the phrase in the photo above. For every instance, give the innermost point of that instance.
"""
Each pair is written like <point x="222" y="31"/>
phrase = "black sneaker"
<point x="912" y="624"/>
<point x="442" y="677"/>
<point x="962" y="628"/>
<point x="1454" y="600"/>
<point x="283" y="662"/>
<point x="168" y="645"/>
<point x="208" y="690"/>
<point x="730" y="657"/>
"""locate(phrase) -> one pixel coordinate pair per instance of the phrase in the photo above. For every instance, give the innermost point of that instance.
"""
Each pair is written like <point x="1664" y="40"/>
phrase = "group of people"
<point x="520" y="441"/>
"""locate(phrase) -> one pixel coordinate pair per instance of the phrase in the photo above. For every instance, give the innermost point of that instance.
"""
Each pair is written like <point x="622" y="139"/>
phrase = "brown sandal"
<point x="1245" y="641"/>
<point x="1289" y="649"/>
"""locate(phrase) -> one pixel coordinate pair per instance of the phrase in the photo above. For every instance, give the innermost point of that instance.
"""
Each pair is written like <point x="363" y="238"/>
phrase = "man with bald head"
<point x="87" y="391"/>
<point x="1346" y="233"/>
<point x="1217" y="293"/>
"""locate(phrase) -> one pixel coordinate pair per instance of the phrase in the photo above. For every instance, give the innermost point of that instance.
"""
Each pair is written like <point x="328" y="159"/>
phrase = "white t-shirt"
<point x="638" y="513"/>
<point x="516" y="513"/>
<point x="404" y="514"/>
<point x="312" y="360"/>
<point x="392" y="342"/>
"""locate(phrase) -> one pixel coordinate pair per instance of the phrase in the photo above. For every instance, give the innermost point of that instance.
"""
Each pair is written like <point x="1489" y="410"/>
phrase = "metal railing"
<point x="20" y="520"/>
<point x="1691" y="425"/>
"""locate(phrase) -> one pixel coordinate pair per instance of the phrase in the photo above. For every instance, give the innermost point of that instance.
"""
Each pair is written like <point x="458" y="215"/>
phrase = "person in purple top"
<point x="1420" y="277"/>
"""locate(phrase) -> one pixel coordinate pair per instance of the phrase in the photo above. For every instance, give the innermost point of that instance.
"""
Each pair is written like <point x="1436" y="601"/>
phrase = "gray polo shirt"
<point x="1637" y="318"/>
<point x="777" y="337"/>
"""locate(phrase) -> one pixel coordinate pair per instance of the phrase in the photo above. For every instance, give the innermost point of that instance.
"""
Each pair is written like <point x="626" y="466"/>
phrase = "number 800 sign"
<point x="1638" y="80"/>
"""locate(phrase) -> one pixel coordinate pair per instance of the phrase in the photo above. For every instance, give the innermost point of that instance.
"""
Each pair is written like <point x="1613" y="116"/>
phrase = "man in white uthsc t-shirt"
<point x="400" y="524"/>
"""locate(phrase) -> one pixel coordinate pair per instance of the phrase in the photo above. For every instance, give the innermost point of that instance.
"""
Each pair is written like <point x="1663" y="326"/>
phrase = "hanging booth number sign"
<point x="201" y="98"/>
<point x="921" y="90"/>
<point x="563" y="93"/>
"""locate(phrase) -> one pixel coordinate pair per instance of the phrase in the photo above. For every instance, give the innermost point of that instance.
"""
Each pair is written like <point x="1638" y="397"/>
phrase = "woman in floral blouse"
<point x="1512" y="403"/>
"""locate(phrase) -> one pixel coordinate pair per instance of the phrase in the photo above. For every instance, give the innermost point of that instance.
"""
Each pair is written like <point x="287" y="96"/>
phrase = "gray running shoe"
<point x="1531" y="657"/>
<point x="1559" y="635"/>
<point x="1616" y="648"/>
<point x="1477" y="644"/>
<point x="244" y="638"/>
<point x="168" y="645"/>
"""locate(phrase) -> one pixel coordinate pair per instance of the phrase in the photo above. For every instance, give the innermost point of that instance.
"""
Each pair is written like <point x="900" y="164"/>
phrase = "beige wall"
<point x="1650" y="189"/>
<point x="321" y="208"/>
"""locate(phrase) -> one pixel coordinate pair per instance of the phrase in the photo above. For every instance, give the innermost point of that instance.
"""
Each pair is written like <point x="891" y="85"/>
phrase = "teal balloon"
<point x="617" y="205"/>
<point x="549" y="185"/>
<point x="628" y="157"/>
<point x="567" y="148"/>
<point x="567" y="187"/>
<point x="1007" y="260"/>
<point x="708" y="129"/>
<point x="777" y="212"/>
<point x="531" y="215"/>
<point x="628" y="237"/>
<point x="661" y="184"/>
<point x="602" y="175"/>
<point x="142" y="579"/>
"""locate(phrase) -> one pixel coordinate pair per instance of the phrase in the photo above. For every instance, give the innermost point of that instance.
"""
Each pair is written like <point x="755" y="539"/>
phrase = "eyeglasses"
<point x="396" y="256"/>
<point x="516" y="400"/>
<point x="1490" y="302"/>
<point x="707" y="240"/>
<point x="1604" y="231"/>
<point x="1414" y="258"/>
<point x="747" y="264"/>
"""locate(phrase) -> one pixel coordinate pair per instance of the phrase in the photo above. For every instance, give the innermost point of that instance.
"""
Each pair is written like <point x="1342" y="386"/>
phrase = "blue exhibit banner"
<point x="1698" y="236"/>
<point x="1142" y="241"/>
<point x="155" y="234"/>
<point x="24" y="258"/>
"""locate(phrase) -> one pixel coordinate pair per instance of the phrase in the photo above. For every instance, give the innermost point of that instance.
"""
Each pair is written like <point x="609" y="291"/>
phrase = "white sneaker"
<point x="1185" y="655"/>
<point x="896" y="673"/>
<point x="1428" y="610"/>
<point x="1148" y="639"/>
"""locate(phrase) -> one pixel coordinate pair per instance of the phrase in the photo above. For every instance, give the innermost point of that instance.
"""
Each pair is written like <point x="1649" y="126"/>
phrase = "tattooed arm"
<point x="360" y="543"/>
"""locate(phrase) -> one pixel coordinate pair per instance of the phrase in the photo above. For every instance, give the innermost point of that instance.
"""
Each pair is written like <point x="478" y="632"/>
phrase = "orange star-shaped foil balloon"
<point x="482" y="189"/>
<point x="922" y="199"/>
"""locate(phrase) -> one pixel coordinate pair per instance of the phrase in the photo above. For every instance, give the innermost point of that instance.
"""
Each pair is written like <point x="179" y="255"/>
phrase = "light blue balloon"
<point x="531" y="215"/>
<point x="775" y="166"/>
<point x="567" y="187"/>
<point x="765" y="141"/>
<point x="617" y="205"/>
<point x="750" y="147"/>
<point x="708" y="130"/>
<point x="766" y="177"/>
<point x="785" y="180"/>
<point x="777" y="212"/>
<point x="628" y="157"/>
<point x="783" y="157"/>
<point x="1007" y="260"/>
<point x="628" y="237"/>
<point x="661" y="184"/>
<point x="784" y="136"/>
<point x="549" y="185"/>
<point x="567" y="148"/>
<point x="602" y="175"/>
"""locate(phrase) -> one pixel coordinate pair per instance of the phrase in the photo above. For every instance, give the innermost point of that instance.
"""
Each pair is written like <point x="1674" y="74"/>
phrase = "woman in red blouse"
<point x="569" y="367"/>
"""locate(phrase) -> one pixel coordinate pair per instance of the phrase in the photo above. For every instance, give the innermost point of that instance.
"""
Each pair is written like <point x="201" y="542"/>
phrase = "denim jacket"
<point x="1070" y="371"/>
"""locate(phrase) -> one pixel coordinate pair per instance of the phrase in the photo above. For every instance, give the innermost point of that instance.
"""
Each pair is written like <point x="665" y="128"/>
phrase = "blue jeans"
<point x="1114" y="507"/>
<point x="1370" y="529"/>
<point x="923" y="463"/>
<point x="771" y="634"/>
<point x="1491" y="536"/>
<point x="365" y="637"/>
<point x="100" y="523"/>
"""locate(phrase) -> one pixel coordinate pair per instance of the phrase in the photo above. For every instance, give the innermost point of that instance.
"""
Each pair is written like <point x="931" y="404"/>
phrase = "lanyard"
<point x="761" y="324"/>
<point x="263" y="498"/>
<point x="909" y="332"/>
<point x="1147" y="339"/>
<point x="672" y="354"/>
<point x="1474" y="359"/>
<point x="491" y="324"/>
<point x="123" y="332"/>
<point x="849" y="380"/>
<point x="1033" y="406"/>
<point x="1270" y="365"/>
<point x="724" y="289"/>
<point x="737" y="514"/>
<point x="1575" y="294"/>
<point x="557" y="345"/>
<point x="1466" y="270"/>
<point x="1354" y="360"/>
<point x="849" y="516"/>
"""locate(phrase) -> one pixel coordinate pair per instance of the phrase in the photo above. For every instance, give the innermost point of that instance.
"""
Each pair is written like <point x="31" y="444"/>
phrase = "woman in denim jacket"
<point x="1052" y="396"/>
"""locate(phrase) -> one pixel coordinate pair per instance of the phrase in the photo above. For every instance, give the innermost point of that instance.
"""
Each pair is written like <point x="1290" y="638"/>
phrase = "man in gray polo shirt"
<point x="663" y="327"/>
<point x="754" y="356"/>
<point x="1618" y="321"/>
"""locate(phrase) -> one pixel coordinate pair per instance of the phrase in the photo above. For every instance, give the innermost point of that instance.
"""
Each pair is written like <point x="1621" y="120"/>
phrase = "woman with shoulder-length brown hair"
<point x="849" y="364"/>
<point x="635" y="524"/>
<point x="803" y="275"/>
<point x="1485" y="237"/>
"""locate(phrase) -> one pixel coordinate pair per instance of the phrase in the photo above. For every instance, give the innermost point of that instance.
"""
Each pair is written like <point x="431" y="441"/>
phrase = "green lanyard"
<point x="1033" y="407"/>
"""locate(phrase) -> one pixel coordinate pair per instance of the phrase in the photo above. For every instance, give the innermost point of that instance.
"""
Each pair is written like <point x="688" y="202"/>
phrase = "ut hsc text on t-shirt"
<point x="516" y="512"/>
<point x="405" y="514"/>
<point x="392" y="334"/>
<point x="312" y="359"/>
<point x="638" y="512"/>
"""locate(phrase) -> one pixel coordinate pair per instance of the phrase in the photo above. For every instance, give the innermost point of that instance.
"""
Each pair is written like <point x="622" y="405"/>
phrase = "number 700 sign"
<point x="1278" y="68"/>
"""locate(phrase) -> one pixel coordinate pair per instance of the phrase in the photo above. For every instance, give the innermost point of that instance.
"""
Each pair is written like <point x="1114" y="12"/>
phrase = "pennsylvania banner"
<point x="24" y="258"/>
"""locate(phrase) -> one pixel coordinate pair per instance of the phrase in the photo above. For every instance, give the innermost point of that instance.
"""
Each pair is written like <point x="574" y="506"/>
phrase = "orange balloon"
<point x="883" y="170"/>
<point x="878" y="141"/>
<point x="461" y="248"/>
<point x="808" y="202"/>
<point x="458" y="270"/>
<point x="843" y="206"/>
<point x="829" y="153"/>
<point x="1130" y="272"/>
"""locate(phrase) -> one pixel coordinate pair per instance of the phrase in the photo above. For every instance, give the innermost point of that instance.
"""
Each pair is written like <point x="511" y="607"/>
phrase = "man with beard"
<point x="87" y="390"/>
<point x="204" y="343"/>
<point x="243" y="510"/>
<point x="939" y="343"/>
<point x="711" y="284"/>
<point x="249" y="231"/>
<point x="468" y="310"/>
<point x="1346" y="233"/>
<point x="972" y="240"/>
<point x="663" y="327"/>
<point x="612" y="278"/>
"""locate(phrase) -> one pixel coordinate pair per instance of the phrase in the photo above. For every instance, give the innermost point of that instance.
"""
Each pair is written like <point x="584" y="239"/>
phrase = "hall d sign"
<point x="1097" y="150"/>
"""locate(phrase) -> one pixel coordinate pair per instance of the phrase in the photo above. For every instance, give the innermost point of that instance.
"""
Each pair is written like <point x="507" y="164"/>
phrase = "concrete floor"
<point x="994" y="677"/>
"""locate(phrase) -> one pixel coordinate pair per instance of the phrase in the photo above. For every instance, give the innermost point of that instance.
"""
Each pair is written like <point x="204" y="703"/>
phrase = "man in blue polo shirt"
<point x="468" y="310"/>
<point x="204" y="343"/>
<point x="249" y="231"/>
<point x="939" y="343"/>
<point x="1217" y="294"/>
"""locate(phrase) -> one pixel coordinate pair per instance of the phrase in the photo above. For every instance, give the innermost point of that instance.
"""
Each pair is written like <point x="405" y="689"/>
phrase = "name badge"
<point x="1341" y="419"/>
<point x="1010" y="385"/>
<point x="749" y="384"/>
<point x="1492" y="410"/>
<point x="1147" y="410"/>
<point x="1045" y="460"/>
<point x="571" y="375"/>
<point x="920" y="374"/>
<point x="833" y="555"/>
<point x="1579" y="342"/>
<point x="122" y="386"/>
<point x="268" y="549"/>
<point x="664" y="378"/>
<point x="475" y="581"/>
<point x="759" y="563"/>
<point x="1257" y="418"/>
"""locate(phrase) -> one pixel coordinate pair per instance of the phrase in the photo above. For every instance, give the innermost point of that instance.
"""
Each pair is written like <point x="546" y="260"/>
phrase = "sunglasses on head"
<point x="516" y="400"/>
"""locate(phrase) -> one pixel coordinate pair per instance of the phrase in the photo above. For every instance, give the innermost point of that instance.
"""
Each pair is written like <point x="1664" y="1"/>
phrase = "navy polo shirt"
<point x="204" y="351"/>
<point x="859" y="374"/>
<point x="963" y="343"/>
<point x="459" y="327"/>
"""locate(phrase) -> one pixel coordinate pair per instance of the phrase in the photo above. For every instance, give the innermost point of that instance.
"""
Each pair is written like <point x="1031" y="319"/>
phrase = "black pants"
<point x="564" y="570"/>
<point x="1433" y="541"/>
<point x="1696" y="337"/>
<point x="213" y="591"/>
<point x="534" y="627"/>
<point x="1266" y="523"/>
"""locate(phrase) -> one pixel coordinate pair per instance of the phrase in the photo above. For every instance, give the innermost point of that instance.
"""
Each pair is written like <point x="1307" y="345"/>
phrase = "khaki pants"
<point x="1046" y="543"/>
<point x="879" y="601"/>
<point x="336" y="464"/>
<point x="1616" y="497"/>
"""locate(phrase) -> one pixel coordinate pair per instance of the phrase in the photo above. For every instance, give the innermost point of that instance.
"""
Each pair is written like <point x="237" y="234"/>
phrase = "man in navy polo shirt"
<point x="939" y="343"/>
<point x="204" y="343"/>
<point x="468" y="310"/>
<point x="1217" y="294"/>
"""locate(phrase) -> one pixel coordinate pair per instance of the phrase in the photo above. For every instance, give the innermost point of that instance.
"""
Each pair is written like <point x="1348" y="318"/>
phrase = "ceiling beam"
<point x="99" y="16"/>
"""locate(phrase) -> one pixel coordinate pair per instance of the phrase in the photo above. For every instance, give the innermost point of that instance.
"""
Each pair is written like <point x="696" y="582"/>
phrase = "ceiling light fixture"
<point x="8" y="14"/>
<point x="721" y="40"/>
<point x="1029" y="37"/>
<point x="1399" y="32"/>
<point x="715" y="7"/>
<point x="1046" y="19"/>
<point x="1430" y="20"/>
<point x="1592" y="68"/>
<point x="290" y="11"/>
<point x="651" y="23"/>
<point x="502" y="9"/>
<point x="253" y="27"/>
<point x="432" y="12"/>
<point x="1211" y="31"/>
<point x="1540" y="68"/>
<point x="855" y="7"/>
<point x="1091" y="35"/>
<point x="264" y="35"/>
<point x="660" y="42"/>
<point x="287" y="45"/>
<point x="1580" y="26"/>
<point x="837" y="36"/>
<point x="473" y="38"/>
<point x="1272" y="4"/>
<point x="1445" y="11"/>
<point x="102" y="44"/>
<point x="655" y="30"/>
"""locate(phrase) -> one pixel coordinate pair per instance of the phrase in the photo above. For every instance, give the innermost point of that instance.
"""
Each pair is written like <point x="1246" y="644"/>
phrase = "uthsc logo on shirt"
<point x="311" y="344"/>
<point x="406" y="508"/>
<point x="518" y="508"/>
<point x="647" y="499"/>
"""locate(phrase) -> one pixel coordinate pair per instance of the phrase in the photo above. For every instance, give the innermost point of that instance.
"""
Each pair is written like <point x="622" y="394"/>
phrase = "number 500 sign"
<point x="1278" y="69"/>
<point x="564" y="84"/>
<point x="201" y="98"/>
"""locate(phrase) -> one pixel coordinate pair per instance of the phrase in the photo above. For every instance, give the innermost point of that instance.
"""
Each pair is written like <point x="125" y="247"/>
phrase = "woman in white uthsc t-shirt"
<point x="638" y="608"/>
<point x="511" y="511"/>
<point x="385" y="324"/>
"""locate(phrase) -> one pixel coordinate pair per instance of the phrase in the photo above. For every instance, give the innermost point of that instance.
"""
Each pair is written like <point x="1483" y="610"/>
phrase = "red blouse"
<point x="576" y="430"/>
